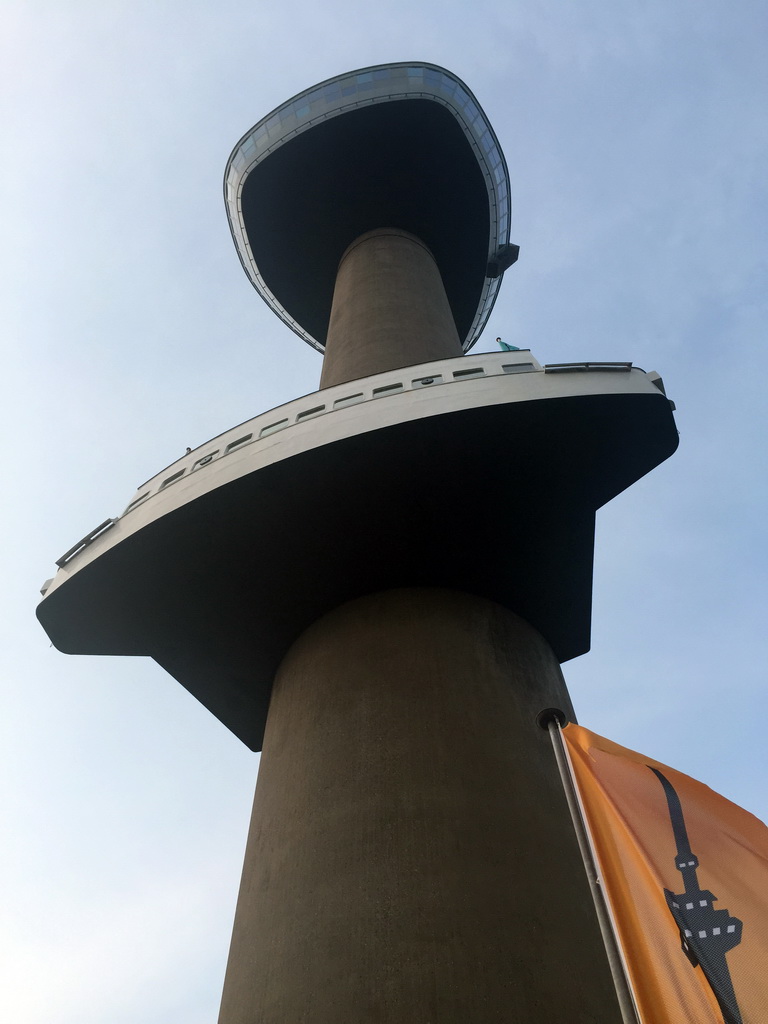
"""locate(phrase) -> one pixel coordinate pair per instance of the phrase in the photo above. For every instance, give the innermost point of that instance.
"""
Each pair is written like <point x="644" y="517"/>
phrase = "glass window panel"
<point x="308" y="413"/>
<point x="340" y="403"/>
<point x="137" y="501"/>
<point x="386" y="389"/>
<point x="272" y="427"/>
<point x="172" y="479"/>
<point x="235" y="444"/>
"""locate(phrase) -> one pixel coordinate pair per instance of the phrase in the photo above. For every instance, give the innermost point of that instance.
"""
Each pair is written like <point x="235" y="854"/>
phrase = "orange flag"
<point x="685" y="873"/>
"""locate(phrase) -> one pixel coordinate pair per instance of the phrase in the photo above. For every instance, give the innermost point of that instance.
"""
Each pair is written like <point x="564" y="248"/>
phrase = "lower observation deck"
<point x="481" y="473"/>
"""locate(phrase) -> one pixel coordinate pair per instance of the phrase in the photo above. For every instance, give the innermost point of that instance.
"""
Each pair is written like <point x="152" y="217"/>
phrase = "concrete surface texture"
<point x="411" y="858"/>
<point x="389" y="309"/>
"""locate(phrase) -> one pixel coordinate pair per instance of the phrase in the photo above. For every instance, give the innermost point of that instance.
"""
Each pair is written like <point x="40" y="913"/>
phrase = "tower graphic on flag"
<point x="706" y="934"/>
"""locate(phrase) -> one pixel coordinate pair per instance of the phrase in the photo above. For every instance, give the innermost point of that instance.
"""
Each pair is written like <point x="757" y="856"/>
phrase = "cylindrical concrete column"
<point x="389" y="309"/>
<point x="411" y="858"/>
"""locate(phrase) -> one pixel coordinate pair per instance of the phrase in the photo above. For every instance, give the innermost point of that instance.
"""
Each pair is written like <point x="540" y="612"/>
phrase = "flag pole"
<point x="552" y="720"/>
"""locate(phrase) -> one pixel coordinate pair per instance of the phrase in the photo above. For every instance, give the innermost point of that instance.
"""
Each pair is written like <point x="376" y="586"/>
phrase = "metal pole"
<point x="616" y="961"/>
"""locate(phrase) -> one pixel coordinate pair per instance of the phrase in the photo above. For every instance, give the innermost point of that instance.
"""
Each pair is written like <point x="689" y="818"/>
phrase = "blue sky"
<point x="636" y="141"/>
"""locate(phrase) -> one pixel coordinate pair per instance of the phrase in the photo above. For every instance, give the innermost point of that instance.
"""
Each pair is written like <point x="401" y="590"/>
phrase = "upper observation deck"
<point x="404" y="146"/>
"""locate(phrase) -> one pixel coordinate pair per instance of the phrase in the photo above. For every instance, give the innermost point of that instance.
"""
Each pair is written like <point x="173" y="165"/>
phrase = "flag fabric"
<point x="685" y="874"/>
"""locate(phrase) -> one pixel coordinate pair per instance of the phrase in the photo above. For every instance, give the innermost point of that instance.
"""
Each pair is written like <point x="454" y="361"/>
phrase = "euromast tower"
<point x="378" y="582"/>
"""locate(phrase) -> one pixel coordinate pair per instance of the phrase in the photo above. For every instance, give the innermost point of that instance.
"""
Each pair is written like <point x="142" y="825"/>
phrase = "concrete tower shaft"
<point x="389" y="309"/>
<point x="411" y="856"/>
